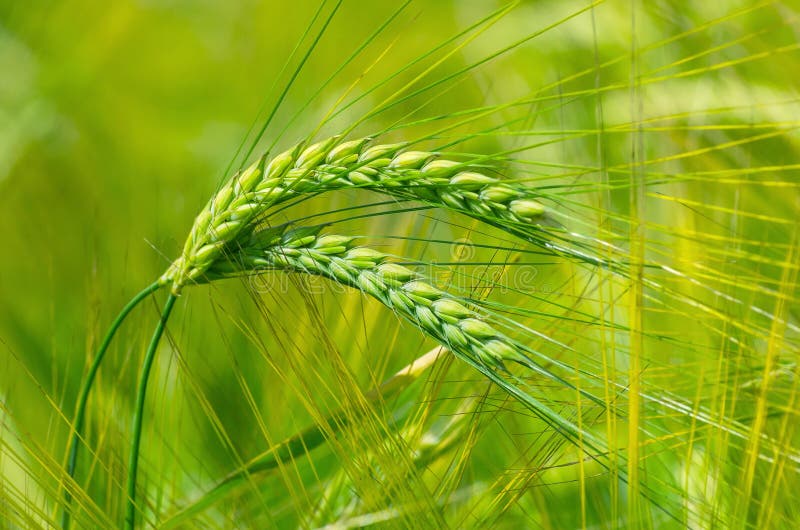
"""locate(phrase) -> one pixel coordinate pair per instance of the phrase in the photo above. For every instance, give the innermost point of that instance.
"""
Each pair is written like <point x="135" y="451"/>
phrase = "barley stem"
<point x="141" y="394"/>
<point x="83" y="396"/>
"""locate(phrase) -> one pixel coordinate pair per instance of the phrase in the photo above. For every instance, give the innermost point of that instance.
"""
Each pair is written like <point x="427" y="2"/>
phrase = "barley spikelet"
<point x="230" y="217"/>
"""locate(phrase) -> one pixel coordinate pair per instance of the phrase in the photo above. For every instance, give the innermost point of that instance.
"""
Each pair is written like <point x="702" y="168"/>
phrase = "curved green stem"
<point x="138" y="415"/>
<point x="86" y="388"/>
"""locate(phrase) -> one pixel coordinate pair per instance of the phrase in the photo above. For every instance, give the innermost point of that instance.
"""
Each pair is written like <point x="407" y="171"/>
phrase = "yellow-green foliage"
<point x="649" y="273"/>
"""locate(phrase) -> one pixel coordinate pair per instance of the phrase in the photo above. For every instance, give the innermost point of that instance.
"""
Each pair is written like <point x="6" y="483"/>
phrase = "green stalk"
<point x="141" y="394"/>
<point x="83" y="396"/>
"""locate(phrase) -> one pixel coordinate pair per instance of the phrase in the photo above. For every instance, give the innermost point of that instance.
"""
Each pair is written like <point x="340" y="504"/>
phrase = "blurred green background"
<point x="118" y="120"/>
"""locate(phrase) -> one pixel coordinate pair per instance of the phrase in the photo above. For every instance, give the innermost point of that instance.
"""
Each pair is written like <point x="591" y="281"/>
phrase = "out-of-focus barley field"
<point x="662" y="136"/>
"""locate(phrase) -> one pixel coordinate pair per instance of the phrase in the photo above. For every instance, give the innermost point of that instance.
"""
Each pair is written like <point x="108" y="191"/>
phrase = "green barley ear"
<point x="231" y="215"/>
<point x="400" y="288"/>
<point x="463" y="330"/>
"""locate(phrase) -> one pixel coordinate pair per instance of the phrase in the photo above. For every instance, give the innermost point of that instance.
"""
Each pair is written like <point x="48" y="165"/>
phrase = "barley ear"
<point x="232" y="214"/>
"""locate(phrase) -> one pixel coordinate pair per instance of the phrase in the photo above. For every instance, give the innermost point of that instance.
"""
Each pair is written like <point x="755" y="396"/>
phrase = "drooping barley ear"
<point x="231" y="215"/>
<point x="403" y="290"/>
<point x="333" y="256"/>
<point x="463" y="330"/>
